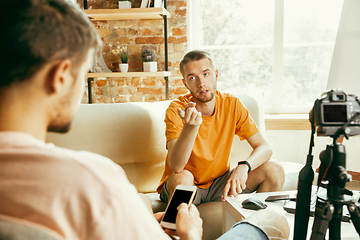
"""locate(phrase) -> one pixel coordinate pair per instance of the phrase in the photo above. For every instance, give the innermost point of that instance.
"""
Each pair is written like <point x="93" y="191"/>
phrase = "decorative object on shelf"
<point x="148" y="55"/>
<point x="123" y="55"/>
<point x="125" y="3"/>
<point x="98" y="64"/>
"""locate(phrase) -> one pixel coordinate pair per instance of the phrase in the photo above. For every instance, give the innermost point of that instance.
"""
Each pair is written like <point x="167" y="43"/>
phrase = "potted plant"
<point x="123" y="55"/>
<point x="148" y="55"/>
<point x="125" y="3"/>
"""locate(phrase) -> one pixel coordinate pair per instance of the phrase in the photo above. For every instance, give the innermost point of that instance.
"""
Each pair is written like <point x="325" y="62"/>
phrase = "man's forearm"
<point x="259" y="156"/>
<point x="180" y="153"/>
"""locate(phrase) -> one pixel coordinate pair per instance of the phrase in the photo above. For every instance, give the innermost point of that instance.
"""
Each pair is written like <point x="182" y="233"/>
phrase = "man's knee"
<point x="275" y="172"/>
<point x="184" y="177"/>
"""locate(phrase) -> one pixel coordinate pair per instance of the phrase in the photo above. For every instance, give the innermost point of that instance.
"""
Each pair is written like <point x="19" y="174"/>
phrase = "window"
<point x="279" y="51"/>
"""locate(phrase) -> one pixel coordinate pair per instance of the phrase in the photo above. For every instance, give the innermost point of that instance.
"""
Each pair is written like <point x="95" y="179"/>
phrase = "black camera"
<point x="335" y="111"/>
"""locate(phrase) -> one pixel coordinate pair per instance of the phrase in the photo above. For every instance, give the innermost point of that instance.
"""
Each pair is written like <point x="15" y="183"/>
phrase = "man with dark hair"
<point x="200" y="127"/>
<point x="79" y="195"/>
<point x="48" y="46"/>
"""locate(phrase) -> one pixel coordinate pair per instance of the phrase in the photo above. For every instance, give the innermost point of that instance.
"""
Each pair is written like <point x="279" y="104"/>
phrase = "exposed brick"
<point x="149" y="40"/>
<point x="120" y="99"/>
<point x="178" y="90"/>
<point x="135" y="34"/>
<point x="180" y="12"/>
<point x="153" y="98"/>
<point x="150" y="81"/>
<point x="135" y="66"/>
<point x="119" y="82"/>
<point x="123" y="40"/>
<point x="133" y="31"/>
<point x="125" y="91"/>
<point x="136" y="98"/>
<point x="162" y="65"/>
<point x="98" y="91"/>
<point x="178" y="31"/>
<point x="146" y="32"/>
<point x="133" y="49"/>
<point x="176" y="65"/>
<point x="135" y="81"/>
<point x="178" y="82"/>
<point x="177" y="22"/>
<point x="150" y="23"/>
<point x="177" y="40"/>
<point x="101" y="99"/>
<point x="103" y="32"/>
<point x="106" y="49"/>
<point x="150" y="90"/>
<point x="176" y="3"/>
<point x="120" y="31"/>
<point x="101" y="83"/>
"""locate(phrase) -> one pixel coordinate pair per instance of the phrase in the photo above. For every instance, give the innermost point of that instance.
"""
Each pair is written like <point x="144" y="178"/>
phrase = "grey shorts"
<point x="212" y="194"/>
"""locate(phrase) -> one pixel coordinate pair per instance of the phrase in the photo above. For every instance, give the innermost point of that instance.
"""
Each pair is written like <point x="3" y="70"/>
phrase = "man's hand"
<point x="236" y="183"/>
<point x="190" y="115"/>
<point x="188" y="223"/>
<point x="158" y="216"/>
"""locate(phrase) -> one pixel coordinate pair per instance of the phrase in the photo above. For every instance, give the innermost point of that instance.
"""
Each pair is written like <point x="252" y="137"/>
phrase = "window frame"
<point x="194" y="30"/>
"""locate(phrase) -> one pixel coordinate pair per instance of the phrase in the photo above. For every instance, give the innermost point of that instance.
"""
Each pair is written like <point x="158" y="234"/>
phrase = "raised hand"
<point x="190" y="114"/>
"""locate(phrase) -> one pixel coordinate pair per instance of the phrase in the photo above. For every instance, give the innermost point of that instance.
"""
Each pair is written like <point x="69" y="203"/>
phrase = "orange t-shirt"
<point x="209" y="158"/>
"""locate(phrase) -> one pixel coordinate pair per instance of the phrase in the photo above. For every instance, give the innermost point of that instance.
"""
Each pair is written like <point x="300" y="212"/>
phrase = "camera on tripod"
<point x="335" y="114"/>
<point x="336" y="110"/>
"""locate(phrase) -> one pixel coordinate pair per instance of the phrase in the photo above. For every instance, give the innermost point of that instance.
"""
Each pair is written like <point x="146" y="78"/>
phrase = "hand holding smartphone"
<point x="181" y="194"/>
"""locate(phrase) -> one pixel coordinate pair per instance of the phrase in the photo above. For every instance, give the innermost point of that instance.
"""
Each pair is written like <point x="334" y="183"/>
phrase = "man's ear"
<point x="216" y="74"/>
<point x="59" y="75"/>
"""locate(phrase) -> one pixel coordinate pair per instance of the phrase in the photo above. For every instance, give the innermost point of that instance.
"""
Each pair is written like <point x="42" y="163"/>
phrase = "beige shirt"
<point x="78" y="194"/>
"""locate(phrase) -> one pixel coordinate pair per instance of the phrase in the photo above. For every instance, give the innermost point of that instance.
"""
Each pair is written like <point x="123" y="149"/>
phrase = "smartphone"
<point x="274" y="198"/>
<point x="181" y="194"/>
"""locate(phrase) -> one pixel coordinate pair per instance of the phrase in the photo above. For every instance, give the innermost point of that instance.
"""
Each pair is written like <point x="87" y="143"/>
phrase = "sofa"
<point x="133" y="136"/>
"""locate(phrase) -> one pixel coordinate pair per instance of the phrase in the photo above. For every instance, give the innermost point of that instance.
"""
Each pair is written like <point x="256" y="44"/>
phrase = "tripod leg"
<point x="355" y="216"/>
<point x="323" y="214"/>
<point x="335" y="223"/>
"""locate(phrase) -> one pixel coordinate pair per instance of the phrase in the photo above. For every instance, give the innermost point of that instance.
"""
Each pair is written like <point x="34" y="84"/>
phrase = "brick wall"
<point x="135" y="34"/>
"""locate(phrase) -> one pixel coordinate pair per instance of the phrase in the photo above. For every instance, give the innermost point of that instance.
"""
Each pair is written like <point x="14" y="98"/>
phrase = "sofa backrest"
<point x="133" y="135"/>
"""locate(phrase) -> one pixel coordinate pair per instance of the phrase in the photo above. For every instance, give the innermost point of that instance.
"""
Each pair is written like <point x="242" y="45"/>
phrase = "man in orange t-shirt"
<point x="200" y="127"/>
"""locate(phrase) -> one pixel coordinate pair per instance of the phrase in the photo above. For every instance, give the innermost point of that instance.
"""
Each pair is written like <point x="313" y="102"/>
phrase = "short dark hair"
<point x="194" y="55"/>
<point x="36" y="32"/>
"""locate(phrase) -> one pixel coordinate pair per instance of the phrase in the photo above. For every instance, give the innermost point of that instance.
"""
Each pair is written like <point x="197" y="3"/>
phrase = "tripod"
<point x="329" y="207"/>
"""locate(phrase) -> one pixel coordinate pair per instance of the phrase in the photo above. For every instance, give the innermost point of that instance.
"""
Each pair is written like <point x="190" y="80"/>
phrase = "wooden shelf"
<point x="124" y="14"/>
<point x="287" y="122"/>
<point x="129" y="74"/>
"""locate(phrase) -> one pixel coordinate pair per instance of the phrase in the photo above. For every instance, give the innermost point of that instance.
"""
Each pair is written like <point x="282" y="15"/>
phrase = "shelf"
<point x="129" y="74"/>
<point x="287" y="122"/>
<point x="124" y="14"/>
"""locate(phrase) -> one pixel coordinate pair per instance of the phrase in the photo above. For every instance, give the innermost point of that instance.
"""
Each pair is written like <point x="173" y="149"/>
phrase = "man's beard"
<point x="205" y="99"/>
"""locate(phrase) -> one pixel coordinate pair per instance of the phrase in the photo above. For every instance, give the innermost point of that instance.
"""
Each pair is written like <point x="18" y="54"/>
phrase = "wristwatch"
<point x="247" y="164"/>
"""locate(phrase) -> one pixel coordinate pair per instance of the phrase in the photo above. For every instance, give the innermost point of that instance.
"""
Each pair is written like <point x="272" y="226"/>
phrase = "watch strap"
<point x="247" y="164"/>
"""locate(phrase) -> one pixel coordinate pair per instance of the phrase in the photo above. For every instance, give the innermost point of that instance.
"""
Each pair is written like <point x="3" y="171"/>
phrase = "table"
<point x="233" y="212"/>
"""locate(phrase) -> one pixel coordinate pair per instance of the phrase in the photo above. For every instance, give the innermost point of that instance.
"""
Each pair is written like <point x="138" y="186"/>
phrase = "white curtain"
<point x="345" y="65"/>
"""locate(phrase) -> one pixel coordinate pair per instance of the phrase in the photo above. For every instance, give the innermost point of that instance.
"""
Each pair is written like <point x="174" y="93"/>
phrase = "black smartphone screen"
<point x="180" y="196"/>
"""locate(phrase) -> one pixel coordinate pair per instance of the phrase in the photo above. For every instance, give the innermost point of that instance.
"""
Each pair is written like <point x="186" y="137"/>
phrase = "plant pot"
<point x="124" y="67"/>
<point x="150" y="66"/>
<point x="124" y="4"/>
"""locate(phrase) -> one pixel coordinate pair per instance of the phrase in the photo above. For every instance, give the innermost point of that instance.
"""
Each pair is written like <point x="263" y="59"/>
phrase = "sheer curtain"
<point x="345" y="66"/>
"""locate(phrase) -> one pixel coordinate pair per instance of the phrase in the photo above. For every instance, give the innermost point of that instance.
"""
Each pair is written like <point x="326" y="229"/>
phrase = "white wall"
<point x="293" y="146"/>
